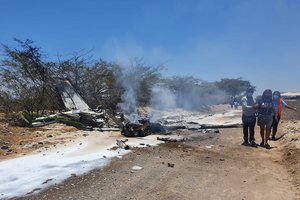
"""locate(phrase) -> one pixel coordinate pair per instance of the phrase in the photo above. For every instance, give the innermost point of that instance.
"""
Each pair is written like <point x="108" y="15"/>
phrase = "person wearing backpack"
<point x="266" y="111"/>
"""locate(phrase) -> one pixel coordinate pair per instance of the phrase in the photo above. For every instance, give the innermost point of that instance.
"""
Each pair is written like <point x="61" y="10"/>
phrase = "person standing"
<point x="278" y="105"/>
<point x="235" y="103"/>
<point x="248" y="117"/>
<point x="231" y="102"/>
<point x="266" y="111"/>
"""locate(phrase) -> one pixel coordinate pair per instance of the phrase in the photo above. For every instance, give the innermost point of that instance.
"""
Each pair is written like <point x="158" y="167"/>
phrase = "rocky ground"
<point x="208" y="166"/>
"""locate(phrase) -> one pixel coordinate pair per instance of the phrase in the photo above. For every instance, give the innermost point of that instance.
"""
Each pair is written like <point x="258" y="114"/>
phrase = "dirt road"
<point x="227" y="170"/>
<point x="208" y="166"/>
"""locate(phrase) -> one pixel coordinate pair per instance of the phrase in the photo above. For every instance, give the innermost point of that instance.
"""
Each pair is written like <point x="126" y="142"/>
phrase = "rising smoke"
<point x="163" y="98"/>
<point x="129" y="82"/>
<point x="185" y="93"/>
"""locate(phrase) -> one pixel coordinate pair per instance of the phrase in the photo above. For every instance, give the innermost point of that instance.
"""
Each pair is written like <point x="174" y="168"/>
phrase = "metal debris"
<point x="169" y="139"/>
<point x="81" y="116"/>
<point x="121" y="144"/>
<point x="171" y="165"/>
<point x="137" y="168"/>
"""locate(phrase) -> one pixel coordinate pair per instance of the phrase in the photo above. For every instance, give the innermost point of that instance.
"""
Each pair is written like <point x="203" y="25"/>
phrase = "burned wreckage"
<point x="81" y="116"/>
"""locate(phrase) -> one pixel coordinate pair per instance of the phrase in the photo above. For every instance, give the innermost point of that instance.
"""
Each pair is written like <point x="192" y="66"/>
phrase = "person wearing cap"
<point x="248" y="117"/>
<point x="278" y="105"/>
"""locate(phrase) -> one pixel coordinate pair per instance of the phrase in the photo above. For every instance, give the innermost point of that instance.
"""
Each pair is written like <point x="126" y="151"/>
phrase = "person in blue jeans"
<point x="248" y="117"/>
<point x="279" y="104"/>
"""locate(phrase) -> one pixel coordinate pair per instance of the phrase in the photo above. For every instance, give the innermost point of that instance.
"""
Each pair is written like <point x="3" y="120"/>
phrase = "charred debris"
<point x="81" y="116"/>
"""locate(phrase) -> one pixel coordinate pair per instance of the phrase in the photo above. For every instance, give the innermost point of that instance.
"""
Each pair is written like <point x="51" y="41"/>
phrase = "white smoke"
<point x="128" y="80"/>
<point x="128" y="104"/>
<point x="162" y="98"/>
<point x="184" y="93"/>
<point x="184" y="96"/>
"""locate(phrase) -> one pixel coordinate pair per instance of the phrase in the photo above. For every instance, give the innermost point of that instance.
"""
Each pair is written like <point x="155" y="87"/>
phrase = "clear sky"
<point x="258" y="40"/>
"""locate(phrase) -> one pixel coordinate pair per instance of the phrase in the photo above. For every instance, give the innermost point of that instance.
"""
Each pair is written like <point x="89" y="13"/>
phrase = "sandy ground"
<point x="227" y="170"/>
<point x="209" y="166"/>
<point x="19" y="141"/>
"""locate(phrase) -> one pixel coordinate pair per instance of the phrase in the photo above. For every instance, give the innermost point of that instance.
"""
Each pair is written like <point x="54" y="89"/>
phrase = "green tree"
<point x="234" y="86"/>
<point x="100" y="88"/>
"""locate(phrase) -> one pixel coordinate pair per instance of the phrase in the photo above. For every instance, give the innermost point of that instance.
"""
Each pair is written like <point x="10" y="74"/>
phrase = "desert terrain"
<point x="206" y="165"/>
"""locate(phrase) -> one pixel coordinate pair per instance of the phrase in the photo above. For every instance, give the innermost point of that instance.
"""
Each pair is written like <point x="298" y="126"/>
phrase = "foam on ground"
<point x="32" y="173"/>
<point x="228" y="117"/>
<point x="29" y="174"/>
<point x="23" y="175"/>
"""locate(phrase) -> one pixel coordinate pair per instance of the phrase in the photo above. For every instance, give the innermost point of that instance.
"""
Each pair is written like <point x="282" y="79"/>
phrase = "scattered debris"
<point x="138" y="129"/>
<point x="48" y="180"/>
<point x="171" y="165"/>
<point x="109" y="129"/>
<point x="34" y="191"/>
<point x="81" y="116"/>
<point x="137" y="168"/>
<point x="209" y="146"/>
<point x="4" y="147"/>
<point x="121" y="144"/>
<point x="169" y="139"/>
<point x="174" y="127"/>
<point x="70" y="97"/>
<point x="209" y="130"/>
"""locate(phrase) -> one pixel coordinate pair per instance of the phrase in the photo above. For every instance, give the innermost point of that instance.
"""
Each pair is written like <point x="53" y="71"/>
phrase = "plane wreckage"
<point x="81" y="116"/>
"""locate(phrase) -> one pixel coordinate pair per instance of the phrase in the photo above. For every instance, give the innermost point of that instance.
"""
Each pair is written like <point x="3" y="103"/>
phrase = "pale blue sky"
<point x="209" y="39"/>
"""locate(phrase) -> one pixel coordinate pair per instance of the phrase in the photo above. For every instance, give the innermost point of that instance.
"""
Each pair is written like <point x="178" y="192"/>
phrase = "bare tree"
<point x="27" y="77"/>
